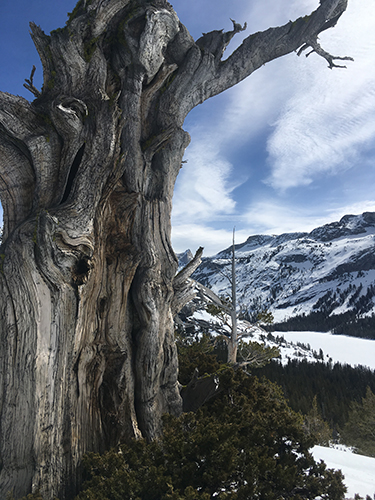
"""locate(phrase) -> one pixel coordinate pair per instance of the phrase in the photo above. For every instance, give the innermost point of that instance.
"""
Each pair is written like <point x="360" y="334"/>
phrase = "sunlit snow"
<point x="339" y="348"/>
<point x="359" y="471"/>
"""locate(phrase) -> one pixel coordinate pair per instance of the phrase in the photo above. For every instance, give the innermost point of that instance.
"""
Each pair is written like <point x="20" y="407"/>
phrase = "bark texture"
<point x="87" y="281"/>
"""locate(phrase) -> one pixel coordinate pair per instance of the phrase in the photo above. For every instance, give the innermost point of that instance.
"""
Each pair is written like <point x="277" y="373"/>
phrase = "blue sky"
<point x="288" y="149"/>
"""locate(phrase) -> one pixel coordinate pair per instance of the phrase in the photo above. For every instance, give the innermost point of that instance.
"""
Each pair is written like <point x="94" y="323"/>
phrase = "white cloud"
<point x="330" y="118"/>
<point x="193" y="236"/>
<point x="203" y="188"/>
<point x="271" y="217"/>
<point x="351" y="209"/>
<point x="323" y="122"/>
<point x="262" y="217"/>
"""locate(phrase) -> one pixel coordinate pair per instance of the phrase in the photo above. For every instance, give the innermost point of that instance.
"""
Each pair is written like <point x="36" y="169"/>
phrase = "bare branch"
<point x="316" y="48"/>
<point x="42" y="45"/>
<point x="237" y="27"/>
<point x="29" y="85"/>
<point x="188" y="270"/>
<point x="183" y="286"/>
<point x="224" y="274"/>
<point x="262" y="47"/>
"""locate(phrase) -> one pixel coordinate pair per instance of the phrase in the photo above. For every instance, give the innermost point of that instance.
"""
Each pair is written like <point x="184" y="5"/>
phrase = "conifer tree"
<point x="315" y="426"/>
<point x="359" y="431"/>
<point x="240" y="352"/>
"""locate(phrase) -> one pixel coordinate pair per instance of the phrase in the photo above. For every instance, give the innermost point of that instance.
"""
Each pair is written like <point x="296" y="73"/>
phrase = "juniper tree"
<point x="87" y="170"/>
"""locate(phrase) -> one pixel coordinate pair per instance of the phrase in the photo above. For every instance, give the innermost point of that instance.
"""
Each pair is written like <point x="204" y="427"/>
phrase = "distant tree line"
<point x="340" y="324"/>
<point x="335" y="386"/>
<point x="357" y="322"/>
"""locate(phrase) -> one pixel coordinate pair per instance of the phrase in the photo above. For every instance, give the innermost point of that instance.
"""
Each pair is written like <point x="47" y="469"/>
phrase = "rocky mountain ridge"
<point x="320" y="276"/>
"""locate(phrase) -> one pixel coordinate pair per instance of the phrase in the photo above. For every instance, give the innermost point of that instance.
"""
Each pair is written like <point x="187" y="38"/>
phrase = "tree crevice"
<point x="73" y="172"/>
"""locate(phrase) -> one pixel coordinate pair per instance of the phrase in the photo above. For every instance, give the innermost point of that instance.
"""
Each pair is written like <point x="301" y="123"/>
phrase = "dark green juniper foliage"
<point x="31" y="496"/>
<point x="195" y="353"/>
<point x="245" y="443"/>
<point x="314" y="424"/>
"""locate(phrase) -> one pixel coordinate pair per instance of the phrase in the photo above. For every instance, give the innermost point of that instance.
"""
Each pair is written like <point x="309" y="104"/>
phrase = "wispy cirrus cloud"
<point x="329" y="121"/>
<point x="320" y="125"/>
<point x="204" y="187"/>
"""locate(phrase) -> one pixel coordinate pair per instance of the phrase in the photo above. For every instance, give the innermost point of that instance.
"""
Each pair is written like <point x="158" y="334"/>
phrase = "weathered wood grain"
<point x="87" y="277"/>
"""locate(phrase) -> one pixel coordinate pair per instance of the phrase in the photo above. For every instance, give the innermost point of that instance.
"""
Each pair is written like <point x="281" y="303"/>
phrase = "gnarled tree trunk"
<point x="87" y="281"/>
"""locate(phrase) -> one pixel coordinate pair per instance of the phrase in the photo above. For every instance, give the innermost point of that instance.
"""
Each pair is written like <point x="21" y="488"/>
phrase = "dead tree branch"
<point x="29" y="85"/>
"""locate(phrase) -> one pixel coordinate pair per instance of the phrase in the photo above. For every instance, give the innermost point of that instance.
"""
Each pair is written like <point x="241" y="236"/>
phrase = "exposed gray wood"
<point x="184" y="288"/>
<point x="88" y="279"/>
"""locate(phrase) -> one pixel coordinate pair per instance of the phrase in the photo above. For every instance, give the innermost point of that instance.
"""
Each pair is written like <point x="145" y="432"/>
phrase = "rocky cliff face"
<point x="329" y="271"/>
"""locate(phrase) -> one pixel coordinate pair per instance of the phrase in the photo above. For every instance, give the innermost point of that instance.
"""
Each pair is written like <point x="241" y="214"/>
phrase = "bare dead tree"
<point x="233" y="342"/>
<point x="87" y="170"/>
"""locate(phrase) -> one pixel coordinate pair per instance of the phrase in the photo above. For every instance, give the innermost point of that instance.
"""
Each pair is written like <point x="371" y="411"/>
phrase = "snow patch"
<point x="359" y="471"/>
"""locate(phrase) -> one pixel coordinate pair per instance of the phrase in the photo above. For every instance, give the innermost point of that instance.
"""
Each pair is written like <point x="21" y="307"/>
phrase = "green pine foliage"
<point x="315" y="426"/>
<point x="31" y="496"/>
<point x="245" y="443"/>
<point x="335" y="385"/>
<point x="264" y="317"/>
<point x="255" y="354"/>
<point x="359" y="431"/>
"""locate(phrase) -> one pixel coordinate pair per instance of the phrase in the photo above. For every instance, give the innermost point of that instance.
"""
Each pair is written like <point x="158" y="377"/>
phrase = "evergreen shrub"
<point x="244" y="443"/>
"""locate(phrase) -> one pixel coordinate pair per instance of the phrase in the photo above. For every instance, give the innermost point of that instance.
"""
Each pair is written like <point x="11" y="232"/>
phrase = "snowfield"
<point x="359" y="471"/>
<point x="339" y="348"/>
<point x="342" y="349"/>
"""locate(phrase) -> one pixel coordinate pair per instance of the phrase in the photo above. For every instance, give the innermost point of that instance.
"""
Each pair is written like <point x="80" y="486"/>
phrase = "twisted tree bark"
<point x="87" y="170"/>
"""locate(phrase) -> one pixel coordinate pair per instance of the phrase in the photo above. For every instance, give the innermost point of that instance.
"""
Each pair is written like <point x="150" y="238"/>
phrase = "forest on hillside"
<point x="355" y="322"/>
<point x="336" y="387"/>
<point x="319" y="321"/>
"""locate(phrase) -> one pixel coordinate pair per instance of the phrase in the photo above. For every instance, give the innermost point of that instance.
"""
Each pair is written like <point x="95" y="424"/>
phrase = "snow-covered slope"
<point x="335" y="348"/>
<point x="359" y="471"/>
<point x="329" y="270"/>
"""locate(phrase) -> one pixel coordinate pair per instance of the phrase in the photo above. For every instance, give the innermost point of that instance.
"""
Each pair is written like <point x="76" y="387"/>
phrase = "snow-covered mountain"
<point x="322" y="274"/>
